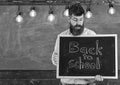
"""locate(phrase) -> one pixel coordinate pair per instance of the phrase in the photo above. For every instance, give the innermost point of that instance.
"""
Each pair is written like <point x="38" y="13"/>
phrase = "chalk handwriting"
<point x="74" y="47"/>
<point x="87" y="57"/>
<point x="78" y="64"/>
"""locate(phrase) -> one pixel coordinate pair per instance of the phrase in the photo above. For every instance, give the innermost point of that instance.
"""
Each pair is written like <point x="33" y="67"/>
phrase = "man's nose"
<point x="78" y="23"/>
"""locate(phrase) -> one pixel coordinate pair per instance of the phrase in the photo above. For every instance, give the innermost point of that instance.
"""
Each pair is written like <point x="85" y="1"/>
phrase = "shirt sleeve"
<point x="92" y="33"/>
<point x="55" y="54"/>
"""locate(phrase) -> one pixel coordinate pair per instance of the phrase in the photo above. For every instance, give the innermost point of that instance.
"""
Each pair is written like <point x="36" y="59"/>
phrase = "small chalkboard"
<point x="87" y="56"/>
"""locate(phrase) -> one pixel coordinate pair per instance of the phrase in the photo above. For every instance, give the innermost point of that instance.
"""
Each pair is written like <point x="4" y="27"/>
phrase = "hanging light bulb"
<point x="33" y="12"/>
<point x="51" y="16"/>
<point x="19" y="18"/>
<point x="89" y="13"/>
<point x="111" y="9"/>
<point x="66" y="11"/>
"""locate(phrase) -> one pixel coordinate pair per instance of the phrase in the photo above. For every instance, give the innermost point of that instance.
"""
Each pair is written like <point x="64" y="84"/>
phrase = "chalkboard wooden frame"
<point x="115" y="76"/>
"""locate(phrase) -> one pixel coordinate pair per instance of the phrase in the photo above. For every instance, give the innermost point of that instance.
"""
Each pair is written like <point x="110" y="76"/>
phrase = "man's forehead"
<point x="73" y="16"/>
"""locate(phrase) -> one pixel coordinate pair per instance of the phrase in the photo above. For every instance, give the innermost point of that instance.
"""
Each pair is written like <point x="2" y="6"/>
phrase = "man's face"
<point x="76" y="24"/>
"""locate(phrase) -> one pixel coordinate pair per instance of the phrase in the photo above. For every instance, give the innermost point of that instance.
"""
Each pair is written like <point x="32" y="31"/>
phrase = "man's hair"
<point x="76" y="9"/>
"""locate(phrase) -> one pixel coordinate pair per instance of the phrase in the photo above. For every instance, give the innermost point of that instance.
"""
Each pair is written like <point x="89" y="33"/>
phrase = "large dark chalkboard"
<point x="87" y="56"/>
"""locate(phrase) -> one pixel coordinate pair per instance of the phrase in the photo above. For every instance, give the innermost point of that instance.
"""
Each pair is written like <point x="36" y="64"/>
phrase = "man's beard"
<point x="77" y="29"/>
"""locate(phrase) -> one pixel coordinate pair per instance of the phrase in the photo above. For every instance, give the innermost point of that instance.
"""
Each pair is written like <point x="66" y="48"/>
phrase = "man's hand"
<point x="55" y="58"/>
<point x="99" y="78"/>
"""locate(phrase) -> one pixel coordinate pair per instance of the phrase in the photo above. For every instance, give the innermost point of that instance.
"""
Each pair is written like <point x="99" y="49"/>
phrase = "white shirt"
<point x="55" y="54"/>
